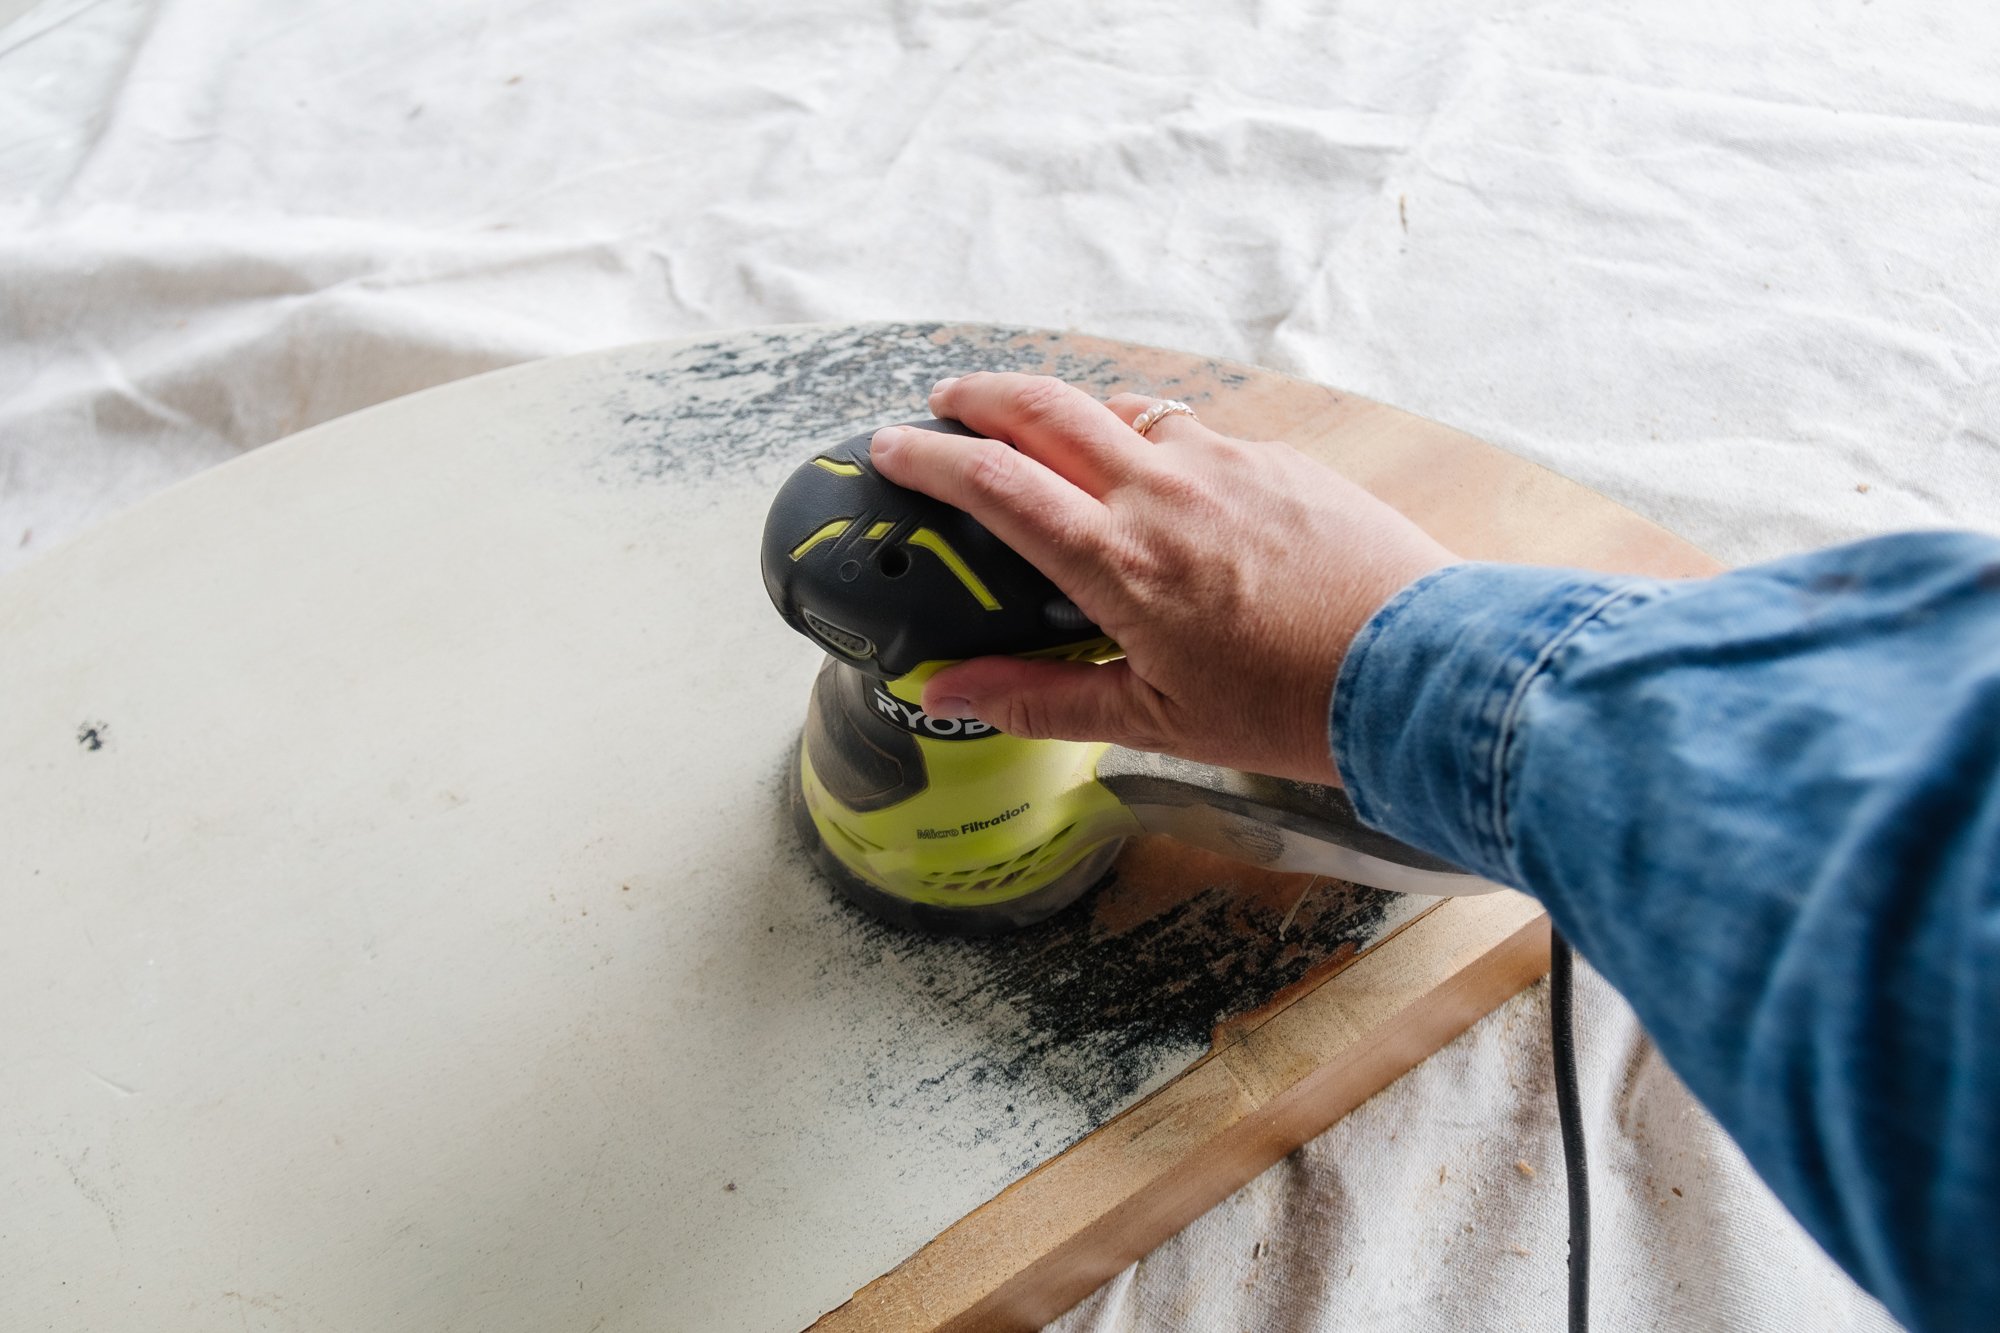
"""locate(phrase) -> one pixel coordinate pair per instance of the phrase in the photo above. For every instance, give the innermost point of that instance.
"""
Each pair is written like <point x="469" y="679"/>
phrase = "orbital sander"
<point x="947" y="824"/>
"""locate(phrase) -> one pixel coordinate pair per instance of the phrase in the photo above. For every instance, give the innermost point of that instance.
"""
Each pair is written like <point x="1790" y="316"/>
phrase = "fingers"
<point x="1040" y="700"/>
<point x="1049" y="521"/>
<point x="1054" y="423"/>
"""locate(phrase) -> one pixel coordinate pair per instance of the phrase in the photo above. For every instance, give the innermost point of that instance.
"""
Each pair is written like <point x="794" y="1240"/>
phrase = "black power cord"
<point x="1569" y="1113"/>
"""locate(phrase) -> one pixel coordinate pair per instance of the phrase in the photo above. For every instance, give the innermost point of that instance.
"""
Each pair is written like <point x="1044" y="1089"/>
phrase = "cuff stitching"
<point x="1351" y="665"/>
<point x="1590" y="616"/>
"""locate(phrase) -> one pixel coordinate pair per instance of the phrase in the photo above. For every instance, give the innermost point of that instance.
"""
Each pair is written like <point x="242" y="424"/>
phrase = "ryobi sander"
<point x="946" y="824"/>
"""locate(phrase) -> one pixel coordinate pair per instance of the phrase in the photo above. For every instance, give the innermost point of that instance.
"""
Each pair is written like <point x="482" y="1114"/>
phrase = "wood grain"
<point x="1057" y="1234"/>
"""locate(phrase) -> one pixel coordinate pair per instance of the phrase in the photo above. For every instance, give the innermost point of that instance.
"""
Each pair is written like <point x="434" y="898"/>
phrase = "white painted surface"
<point x="425" y="946"/>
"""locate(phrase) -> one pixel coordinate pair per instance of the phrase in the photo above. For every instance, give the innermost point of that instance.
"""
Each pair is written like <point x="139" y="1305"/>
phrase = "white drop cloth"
<point x="1731" y="264"/>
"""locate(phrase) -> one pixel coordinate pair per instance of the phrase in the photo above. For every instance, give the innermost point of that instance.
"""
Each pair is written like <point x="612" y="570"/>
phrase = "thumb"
<point x="1035" y="700"/>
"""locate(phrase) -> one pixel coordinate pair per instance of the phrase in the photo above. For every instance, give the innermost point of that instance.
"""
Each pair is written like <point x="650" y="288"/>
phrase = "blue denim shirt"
<point x="1766" y="807"/>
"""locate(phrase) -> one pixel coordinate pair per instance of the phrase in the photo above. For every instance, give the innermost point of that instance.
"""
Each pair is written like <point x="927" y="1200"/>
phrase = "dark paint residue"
<point x="760" y="401"/>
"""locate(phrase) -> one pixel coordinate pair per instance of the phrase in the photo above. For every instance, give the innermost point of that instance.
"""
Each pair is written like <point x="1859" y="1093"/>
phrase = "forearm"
<point x="1767" y="807"/>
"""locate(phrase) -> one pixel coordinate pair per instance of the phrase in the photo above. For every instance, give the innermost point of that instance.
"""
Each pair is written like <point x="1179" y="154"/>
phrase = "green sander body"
<point x="947" y="824"/>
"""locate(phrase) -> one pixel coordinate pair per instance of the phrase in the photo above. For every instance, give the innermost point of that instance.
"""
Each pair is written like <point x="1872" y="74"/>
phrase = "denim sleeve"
<point x="1766" y="807"/>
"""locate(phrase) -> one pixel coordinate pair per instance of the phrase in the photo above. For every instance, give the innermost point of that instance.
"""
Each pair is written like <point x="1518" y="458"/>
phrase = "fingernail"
<point x="887" y="438"/>
<point x="950" y="707"/>
<point x="942" y="385"/>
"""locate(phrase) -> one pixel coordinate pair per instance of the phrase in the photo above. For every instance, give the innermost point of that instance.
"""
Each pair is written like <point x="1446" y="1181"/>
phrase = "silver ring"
<point x="1160" y="411"/>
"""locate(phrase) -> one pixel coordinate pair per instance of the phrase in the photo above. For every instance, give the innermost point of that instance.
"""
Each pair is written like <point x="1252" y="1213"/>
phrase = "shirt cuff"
<point x="1431" y="690"/>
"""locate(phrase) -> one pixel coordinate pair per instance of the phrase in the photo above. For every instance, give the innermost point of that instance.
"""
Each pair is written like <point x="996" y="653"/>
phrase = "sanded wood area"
<point x="401" y="927"/>
<point x="1052" y="1238"/>
<point x="1286" y="1071"/>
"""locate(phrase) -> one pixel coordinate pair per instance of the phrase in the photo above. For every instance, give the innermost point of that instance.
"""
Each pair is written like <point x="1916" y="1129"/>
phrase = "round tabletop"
<point x="400" y="925"/>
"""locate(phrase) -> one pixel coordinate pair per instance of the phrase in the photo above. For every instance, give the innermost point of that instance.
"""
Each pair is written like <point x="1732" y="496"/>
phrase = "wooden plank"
<point x="399" y="925"/>
<point x="1053" y="1237"/>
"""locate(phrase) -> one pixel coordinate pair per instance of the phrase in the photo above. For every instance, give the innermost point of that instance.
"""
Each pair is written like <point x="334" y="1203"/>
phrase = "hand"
<point x="1234" y="575"/>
